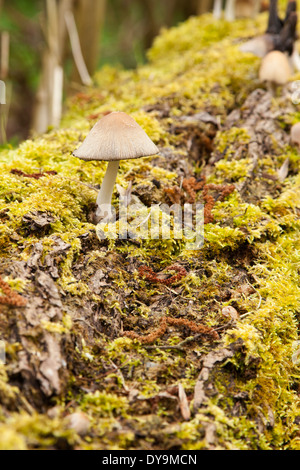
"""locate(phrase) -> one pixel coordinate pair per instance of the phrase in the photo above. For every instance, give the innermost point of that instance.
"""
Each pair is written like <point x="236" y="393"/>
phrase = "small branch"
<point x="76" y="49"/>
<point x="119" y="373"/>
<point x="254" y="152"/>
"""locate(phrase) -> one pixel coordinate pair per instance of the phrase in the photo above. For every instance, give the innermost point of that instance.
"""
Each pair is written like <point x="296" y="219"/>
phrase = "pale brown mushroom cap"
<point x="117" y="136"/>
<point x="295" y="134"/>
<point x="275" y="68"/>
<point x="259" y="46"/>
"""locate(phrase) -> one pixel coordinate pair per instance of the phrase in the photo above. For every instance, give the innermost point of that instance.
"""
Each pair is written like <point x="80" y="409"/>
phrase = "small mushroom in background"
<point x="230" y="312"/>
<point x="117" y="136"/>
<point x="280" y="35"/>
<point x="247" y="8"/>
<point x="236" y="9"/>
<point x="295" y="134"/>
<point x="79" y="422"/>
<point x="261" y="45"/>
<point x="275" y="69"/>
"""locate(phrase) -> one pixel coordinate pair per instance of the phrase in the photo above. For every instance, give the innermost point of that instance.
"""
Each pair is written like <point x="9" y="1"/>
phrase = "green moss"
<point x="8" y="393"/>
<point x="10" y="440"/>
<point x="23" y="432"/>
<point x="218" y="238"/>
<point x="250" y="260"/>
<point x="104" y="404"/>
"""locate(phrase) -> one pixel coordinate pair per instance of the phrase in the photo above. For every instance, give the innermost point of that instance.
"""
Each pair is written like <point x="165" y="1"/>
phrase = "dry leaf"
<point x="183" y="403"/>
<point x="284" y="170"/>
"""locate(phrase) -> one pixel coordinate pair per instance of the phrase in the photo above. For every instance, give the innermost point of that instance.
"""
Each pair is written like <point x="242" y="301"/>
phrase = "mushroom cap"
<point x="295" y="134"/>
<point x="259" y="46"/>
<point x="117" y="136"/>
<point x="275" y="68"/>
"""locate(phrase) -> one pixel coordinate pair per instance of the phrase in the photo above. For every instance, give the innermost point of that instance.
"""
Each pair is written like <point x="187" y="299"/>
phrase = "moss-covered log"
<point x="145" y="344"/>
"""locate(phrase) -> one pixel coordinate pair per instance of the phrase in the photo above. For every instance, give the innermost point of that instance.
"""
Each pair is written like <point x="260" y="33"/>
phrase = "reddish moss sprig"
<point x="10" y="297"/>
<point x="174" y="194"/>
<point x="210" y="333"/>
<point x="223" y="190"/>
<point x="151" y="276"/>
<point x="190" y="186"/>
<point x="35" y="176"/>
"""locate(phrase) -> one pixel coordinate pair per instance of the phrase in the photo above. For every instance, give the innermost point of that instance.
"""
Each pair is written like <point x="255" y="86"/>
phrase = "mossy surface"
<point x="66" y="352"/>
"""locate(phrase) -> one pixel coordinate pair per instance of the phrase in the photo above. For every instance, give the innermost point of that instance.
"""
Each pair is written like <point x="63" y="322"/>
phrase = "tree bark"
<point x="49" y="96"/>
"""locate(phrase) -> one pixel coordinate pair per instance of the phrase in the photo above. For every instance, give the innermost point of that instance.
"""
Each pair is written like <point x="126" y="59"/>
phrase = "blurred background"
<point x="49" y="49"/>
<point x="43" y="43"/>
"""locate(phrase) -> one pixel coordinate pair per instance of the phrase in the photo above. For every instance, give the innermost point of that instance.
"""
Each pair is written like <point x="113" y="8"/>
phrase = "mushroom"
<point x="280" y="35"/>
<point x="236" y="9"/>
<point x="117" y="136"/>
<point x="265" y="43"/>
<point x="259" y="46"/>
<point x="275" y="69"/>
<point x="275" y="23"/>
<point x="295" y="134"/>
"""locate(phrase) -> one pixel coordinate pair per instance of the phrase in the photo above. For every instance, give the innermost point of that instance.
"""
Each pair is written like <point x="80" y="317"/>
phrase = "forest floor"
<point x="147" y="343"/>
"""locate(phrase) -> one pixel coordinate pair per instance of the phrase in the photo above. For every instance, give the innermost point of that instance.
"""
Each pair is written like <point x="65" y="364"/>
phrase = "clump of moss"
<point x="24" y="432"/>
<point x="249" y="260"/>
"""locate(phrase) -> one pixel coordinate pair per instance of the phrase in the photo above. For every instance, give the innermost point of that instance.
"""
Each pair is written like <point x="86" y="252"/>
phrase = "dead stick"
<point x="76" y="49"/>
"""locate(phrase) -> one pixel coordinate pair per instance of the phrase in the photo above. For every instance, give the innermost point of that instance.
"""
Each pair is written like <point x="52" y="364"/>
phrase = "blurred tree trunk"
<point x="151" y="25"/>
<point x="204" y="6"/>
<point x="89" y="17"/>
<point x="4" y="48"/>
<point x="49" y="96"/>
<point x="158" y="14"/>
<point x="5" y="85"/>
<point x="187" y="9"/>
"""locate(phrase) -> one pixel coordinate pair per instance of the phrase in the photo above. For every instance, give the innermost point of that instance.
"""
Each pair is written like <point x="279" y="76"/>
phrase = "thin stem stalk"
<point x="106" y="191"/>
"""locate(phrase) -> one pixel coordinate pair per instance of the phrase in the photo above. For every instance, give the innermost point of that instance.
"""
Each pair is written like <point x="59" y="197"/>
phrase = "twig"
<point x="172" y="290"/>
<point x="259" y="302"/>
<point x="88" y="324"/>
<point x="116" y="368"/>
<point x="76" y="49"/>
<point x="89" y="186"/>
<point x="254" y="151"/>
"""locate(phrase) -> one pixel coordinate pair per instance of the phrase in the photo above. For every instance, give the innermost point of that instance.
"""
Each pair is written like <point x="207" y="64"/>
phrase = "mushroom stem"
<point x="106" y="191"/>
